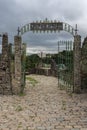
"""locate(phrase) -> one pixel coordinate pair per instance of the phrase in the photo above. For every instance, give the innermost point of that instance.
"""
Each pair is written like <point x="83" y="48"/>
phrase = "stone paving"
<point x="43" y="107"/>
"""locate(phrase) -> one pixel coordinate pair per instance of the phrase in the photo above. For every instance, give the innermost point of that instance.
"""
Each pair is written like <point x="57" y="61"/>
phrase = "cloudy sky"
<point x="14" y="13"/>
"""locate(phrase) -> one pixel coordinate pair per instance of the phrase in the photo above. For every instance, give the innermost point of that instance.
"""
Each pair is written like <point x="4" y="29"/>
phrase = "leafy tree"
<point x="32" y="61"/>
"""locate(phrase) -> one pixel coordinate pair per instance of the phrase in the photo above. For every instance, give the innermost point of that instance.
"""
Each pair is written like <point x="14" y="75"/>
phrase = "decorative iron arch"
<point x="47" y="26"/>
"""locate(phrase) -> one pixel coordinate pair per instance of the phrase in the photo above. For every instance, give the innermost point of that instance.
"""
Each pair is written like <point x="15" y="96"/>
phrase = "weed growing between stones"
<point x="63" y="105"/>
<point x="22" y="94"/>
<point x="32" y="81"/>
<point x="19" y="108"/>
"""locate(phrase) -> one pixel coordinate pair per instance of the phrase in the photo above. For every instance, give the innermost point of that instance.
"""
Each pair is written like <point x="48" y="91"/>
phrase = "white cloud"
<point x="40" y="49"/>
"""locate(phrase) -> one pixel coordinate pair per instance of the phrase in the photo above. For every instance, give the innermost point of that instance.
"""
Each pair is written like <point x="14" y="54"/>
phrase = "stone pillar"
<point x="17" y="43"/>
<point x="77" y="67"/>
<point x="84" y="65"/>
<point x="5" y="74"/>
<point x="23" y="61"/>
<point x="4" y="56"/>
<point x="10" y="63"/>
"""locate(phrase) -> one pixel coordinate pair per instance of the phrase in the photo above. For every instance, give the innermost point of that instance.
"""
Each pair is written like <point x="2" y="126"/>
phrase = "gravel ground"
<point x="43" y="107"/>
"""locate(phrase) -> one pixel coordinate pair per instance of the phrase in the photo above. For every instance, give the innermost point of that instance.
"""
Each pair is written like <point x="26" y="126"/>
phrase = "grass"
<point x="22" y="94"/>
<point x="63" y="105"/>
<point x="19" y="108"/>
<point x="32" y="80"/>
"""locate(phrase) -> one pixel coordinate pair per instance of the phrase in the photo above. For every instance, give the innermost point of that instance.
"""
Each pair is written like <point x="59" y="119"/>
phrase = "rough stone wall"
<point x="5" y="68"/>
<point x="84" y="64"/>
<point x="77" y="67"/>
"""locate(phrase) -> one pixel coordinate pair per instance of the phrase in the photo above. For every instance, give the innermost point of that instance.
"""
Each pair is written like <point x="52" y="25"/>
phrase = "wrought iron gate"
<point x="65" y="65"/>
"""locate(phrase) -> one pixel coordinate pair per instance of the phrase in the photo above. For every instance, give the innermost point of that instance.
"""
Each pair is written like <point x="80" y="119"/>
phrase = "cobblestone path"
<point x="44" y="107"/>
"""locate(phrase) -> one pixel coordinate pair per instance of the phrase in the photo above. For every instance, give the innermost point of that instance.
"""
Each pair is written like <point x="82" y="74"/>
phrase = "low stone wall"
<point x="43" y="71"/>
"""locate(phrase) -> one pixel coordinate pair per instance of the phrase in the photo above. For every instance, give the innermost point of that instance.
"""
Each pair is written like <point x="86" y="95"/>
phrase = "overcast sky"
<point x="14" y="13"/>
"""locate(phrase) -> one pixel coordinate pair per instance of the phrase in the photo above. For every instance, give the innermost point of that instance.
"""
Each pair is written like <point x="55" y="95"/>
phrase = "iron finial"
<point x="18" y="30"/>
<point x="76" y="30"/>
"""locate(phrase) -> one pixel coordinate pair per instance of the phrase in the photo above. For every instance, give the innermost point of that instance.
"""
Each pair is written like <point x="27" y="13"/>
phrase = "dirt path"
<point x="44" y="107"/>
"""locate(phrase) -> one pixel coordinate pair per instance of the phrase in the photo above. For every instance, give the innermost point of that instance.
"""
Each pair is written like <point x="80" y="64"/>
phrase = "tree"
<point x="32" y="61"/>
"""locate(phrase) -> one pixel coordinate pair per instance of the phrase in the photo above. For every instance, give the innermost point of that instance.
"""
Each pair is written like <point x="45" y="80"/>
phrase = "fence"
<point x="65" y="65"/>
